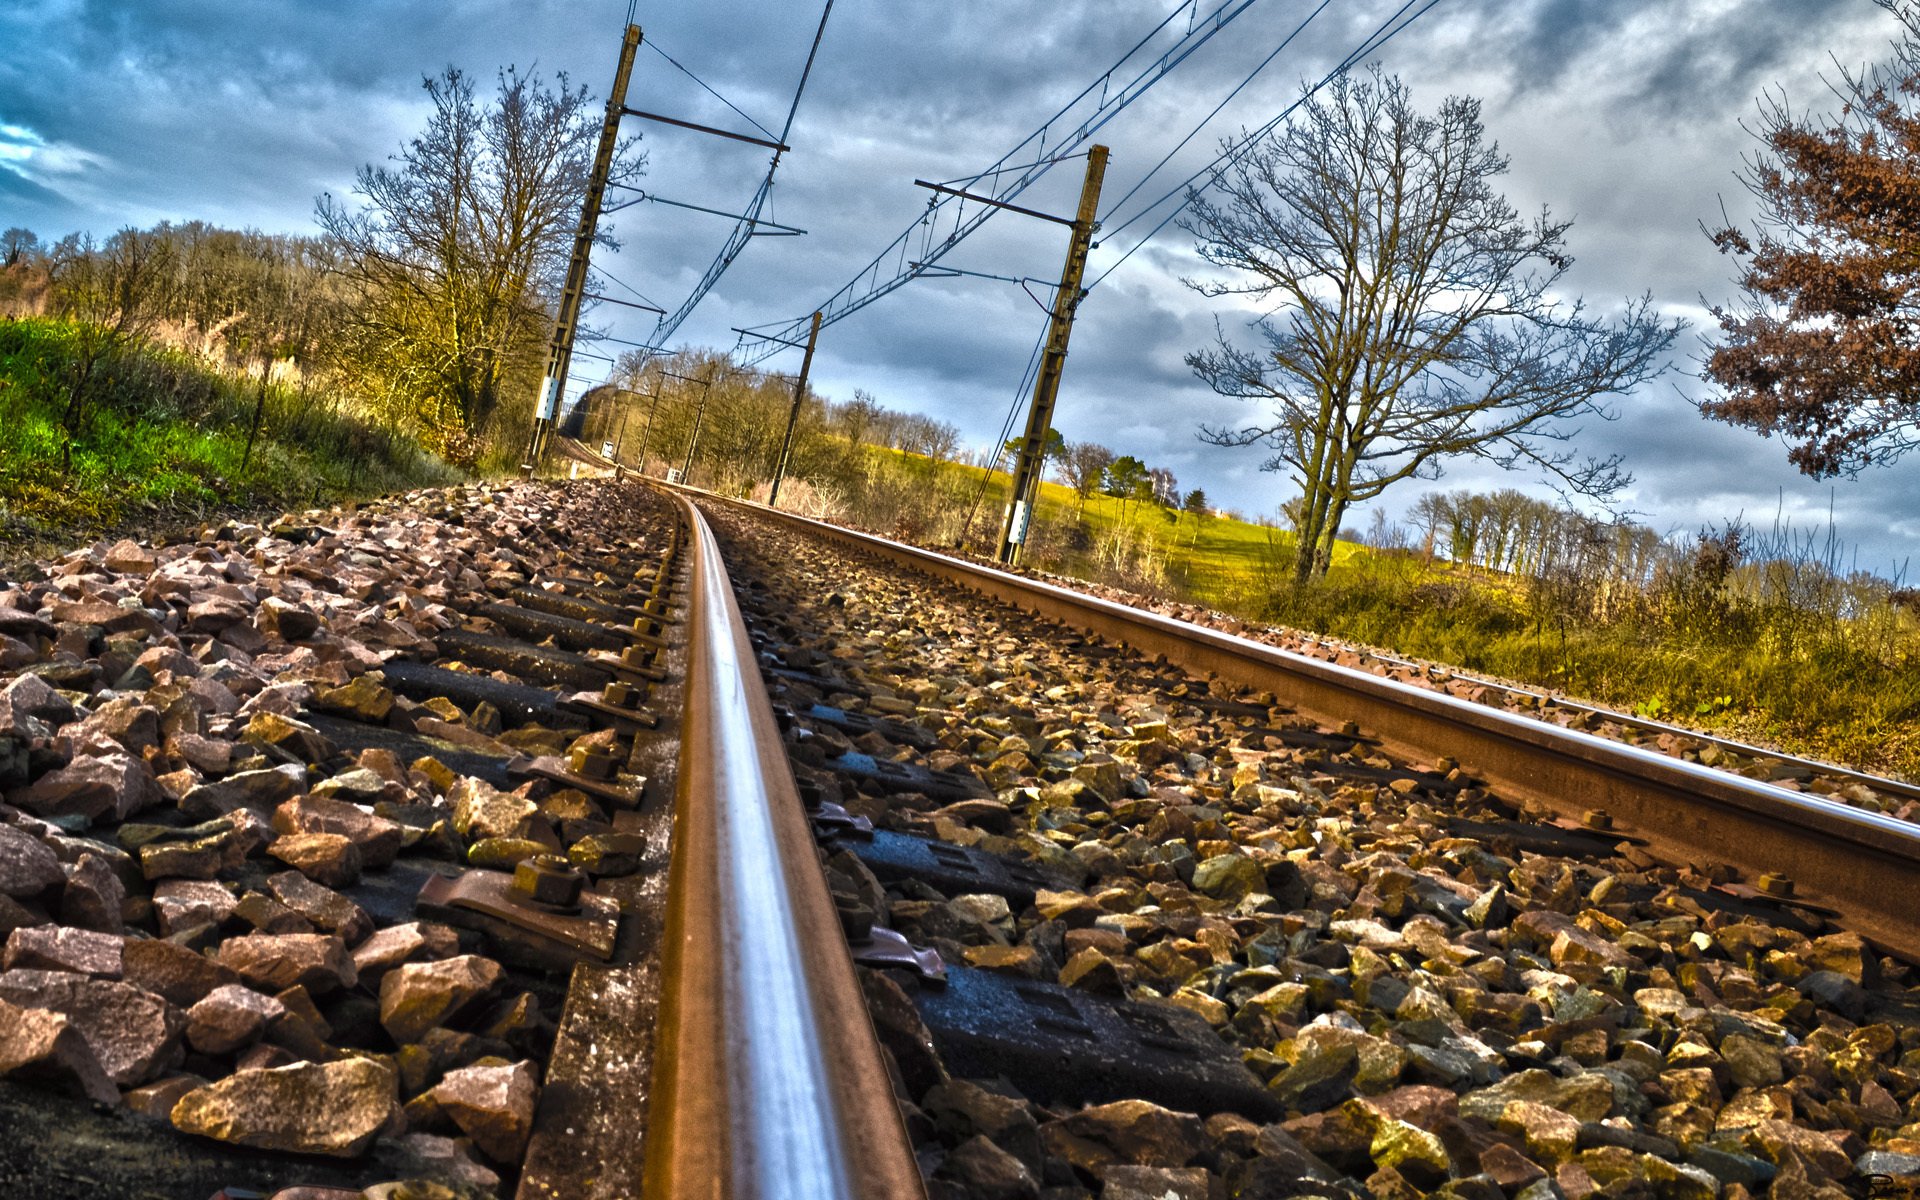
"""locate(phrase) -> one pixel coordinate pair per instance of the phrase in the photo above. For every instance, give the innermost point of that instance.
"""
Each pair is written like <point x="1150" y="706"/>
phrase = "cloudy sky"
<point x="1622" y="114"/>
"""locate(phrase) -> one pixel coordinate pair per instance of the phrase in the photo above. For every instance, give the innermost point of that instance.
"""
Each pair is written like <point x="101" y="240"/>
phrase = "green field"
<point x="162" y="438"/>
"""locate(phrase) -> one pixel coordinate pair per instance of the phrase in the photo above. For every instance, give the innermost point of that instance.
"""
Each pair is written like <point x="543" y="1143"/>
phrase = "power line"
<point x="1385" y="33"/>
<point x="876" y="279"/>
<point x="744" y="228"/>
<point x="1224" y="101"/>
<point x="655" y="47"/>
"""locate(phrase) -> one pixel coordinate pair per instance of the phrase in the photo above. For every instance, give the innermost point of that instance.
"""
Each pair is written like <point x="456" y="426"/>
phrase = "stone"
<point x="59" y="948"/>
<point x="416" y="997"/>
<point x="32" y="696"/>
<point x="1753" y="1063"/>
<point x="94" y="897"/>
<point x="1416" y="1154"/>
<point x="376" y="839"/>
<point x="199" y="858"/>
<point x="27" y="865"/>
<point x="1831" y="989"/>
<point x="178" y="974"/>
<point x="128" y="557"/>
<point x="182" y="904"/>
<point x="980" y="1168"/>
<point x="493" y="1105"/>
<point x="1127" y="1182"/>
<point x="260" y="790"/>
<point x="481" y="810"/>
<point x="92" y="786"/>
<point x="46" y="1047"/>
<point x="131" y="1031"/>
<point x="324" y="908"/>
<point x="1228" y="877"/>
<point x="326" y="858"/>
<point x="1135" y="1131"/>
<point x="1320" y="1078"/>
<point x="230" y="1018"/>
<point x="1587" y="1096"/>
<point x="1782" y="1141"/>
<point x="157" y="1099"/>
<point x="294" y="738"/>
<point x="426" y="1156"/>
<point x="273" y="962"/>
<point x="331" y="1108"/>
<point x="1551" y="1135"/>
<point x="364" y="699"/>
<point x="388" y="948"/>
<point x="1509" y="1168"/>
<point x="134" y="725"/>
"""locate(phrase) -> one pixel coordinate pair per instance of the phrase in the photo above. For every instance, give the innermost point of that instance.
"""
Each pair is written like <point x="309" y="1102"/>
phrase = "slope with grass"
<point x="162" y="438"/>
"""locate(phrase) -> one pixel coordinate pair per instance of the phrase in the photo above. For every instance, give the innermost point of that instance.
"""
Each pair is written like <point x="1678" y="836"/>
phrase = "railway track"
<point x="771" y="860"/>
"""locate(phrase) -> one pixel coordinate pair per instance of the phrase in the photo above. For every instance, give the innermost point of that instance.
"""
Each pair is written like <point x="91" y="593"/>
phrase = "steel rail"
<point x="768" y="1079"/>
<point x="1879" y="783"/>
<point x="1864" y="867"/>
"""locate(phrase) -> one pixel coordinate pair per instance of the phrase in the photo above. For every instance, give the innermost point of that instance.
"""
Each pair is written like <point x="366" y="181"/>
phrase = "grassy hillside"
<point x="161" y="437"/>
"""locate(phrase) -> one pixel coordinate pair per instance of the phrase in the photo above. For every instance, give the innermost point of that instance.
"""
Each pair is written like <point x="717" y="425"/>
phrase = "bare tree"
<point x="1085" y="464"/>
<point x="458" y="248"/>
<point x="1416" y="318"/>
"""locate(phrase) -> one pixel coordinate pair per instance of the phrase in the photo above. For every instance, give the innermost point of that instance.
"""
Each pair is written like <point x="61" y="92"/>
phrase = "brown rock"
<point x="331" y="1108"/>
<point x="94" y="897"/>
<point x="1127" y="1182"/>
<point x="482" y="811"/>
<point x="209" y="756"/>
<point x="44" y="1046"/>
<point x="296" y="738"/>
<point x="128" y="557"/>
<point x="327" y="909"/>
<point x="982" y="1169"/>
<point x="229" y="1018"/>
<point x="273" y="962"/>
<point x="180" y="975"/>
<point x="376" y="839"/>
<point x="183" y="904"/>
<point x="364" y="699"/>
<point x="492" y="1105"/>
<point x="1133" y="1131"/>
<point x="157" y="1099"/>
<point x="396" y="944"/>
<point x="259" y="790"/>
<point x="198" y="858"/>
<point x="325" y="858"/>
<point x="27" y="866"/>
<point x="415" y="997"/>
<point x="130" y="1030"/>
<point x="58" y="948"/>
<point x="92" y="786"/>
<point x="127" y="721"/>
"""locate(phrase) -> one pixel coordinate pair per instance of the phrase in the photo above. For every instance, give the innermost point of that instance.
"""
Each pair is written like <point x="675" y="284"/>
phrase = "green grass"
<point x="162" y="438"/>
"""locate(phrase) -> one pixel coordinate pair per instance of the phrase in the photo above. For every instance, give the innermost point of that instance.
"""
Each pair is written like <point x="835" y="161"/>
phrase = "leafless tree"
<point x="1413" y="312"/>
<point x="458" y="248"/>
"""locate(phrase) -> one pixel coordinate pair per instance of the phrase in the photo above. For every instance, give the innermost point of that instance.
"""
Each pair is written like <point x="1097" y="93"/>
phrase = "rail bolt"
<point x="592" y="762"/>
<point x="618" y="694"/>
<point x="548" y="879"/>
<point x="1597" y="818"/>
<point x="1775" y="884"/>
<point x="635" y="657"/>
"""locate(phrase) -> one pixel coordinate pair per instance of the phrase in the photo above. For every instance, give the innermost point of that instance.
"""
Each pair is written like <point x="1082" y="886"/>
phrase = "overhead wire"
<point x="743" y="230"/>
<point x="655" y="47"/>
<point x="1384" y="33"/>
<point x="867" y="284"/>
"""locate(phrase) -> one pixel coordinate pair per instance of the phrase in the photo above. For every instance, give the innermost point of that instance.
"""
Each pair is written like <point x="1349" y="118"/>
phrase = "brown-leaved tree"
<point x="1824" y="349"/>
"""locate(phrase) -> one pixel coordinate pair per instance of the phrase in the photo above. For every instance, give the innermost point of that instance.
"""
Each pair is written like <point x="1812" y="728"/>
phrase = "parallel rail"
<point x="768" y="1079"/>
<point x="1864" y="868"/>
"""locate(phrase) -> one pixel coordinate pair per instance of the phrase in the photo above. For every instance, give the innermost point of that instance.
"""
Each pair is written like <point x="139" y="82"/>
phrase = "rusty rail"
<point x="768" y="1080"/>
<point x="1863" y="867"/>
